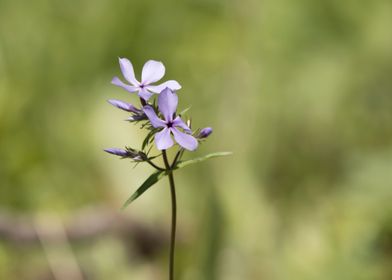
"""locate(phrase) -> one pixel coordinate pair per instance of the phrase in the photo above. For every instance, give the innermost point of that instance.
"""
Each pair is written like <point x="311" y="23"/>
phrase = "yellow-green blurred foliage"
<point x="300" y="91"/>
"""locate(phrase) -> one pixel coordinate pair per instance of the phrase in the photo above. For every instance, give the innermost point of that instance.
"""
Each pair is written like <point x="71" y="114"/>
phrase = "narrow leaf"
<point x="146" y="140"/>
<point x="184" y="111"/>
<point x="184" y="163"/>
<point x="155" y="177"/>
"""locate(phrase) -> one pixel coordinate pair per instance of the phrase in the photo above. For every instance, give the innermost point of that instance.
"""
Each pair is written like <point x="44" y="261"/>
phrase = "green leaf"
<point x="184" y="163"/>
<point x="155" y="177"/>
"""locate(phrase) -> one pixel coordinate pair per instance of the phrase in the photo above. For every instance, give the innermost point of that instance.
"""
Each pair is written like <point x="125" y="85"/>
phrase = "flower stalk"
<point x="174" y="214"/>
<point x="163" y="124"/>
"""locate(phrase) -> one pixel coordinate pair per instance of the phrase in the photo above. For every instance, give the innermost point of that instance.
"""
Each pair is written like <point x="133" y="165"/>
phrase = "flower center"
<point x="141" y="86"/>
<point x="169" y="124"/>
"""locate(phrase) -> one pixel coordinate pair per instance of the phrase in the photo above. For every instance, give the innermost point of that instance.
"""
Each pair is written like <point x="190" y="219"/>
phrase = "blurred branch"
<point x="85" y="225"/>
<point x="61" y="258"/>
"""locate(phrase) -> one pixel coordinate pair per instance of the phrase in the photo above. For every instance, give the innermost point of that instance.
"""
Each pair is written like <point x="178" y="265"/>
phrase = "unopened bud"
<point x="124" y="106"/>
<point x="127" y="153"/>
<point x="205" y="132"/>
<point x="117" y="152"/>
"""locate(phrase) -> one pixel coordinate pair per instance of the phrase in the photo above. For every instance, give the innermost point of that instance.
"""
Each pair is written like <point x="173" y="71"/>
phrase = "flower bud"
<point x="137" y="117"/>
<point x="124" y="106"/>
<point x="128" y="153"/>
<point x="117" y="152"/>
<point x="205" y="132"/>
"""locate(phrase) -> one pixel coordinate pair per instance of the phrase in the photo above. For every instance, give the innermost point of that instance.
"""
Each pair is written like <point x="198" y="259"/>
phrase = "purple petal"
<point x="178" y="122"/>
<point x="173" y="85"/>
<point x="184" y="140"/>
<point x="205" y="132"/>
<point x="152" y="116"/>
<point x="143" y="93"/>
<point x="167" y="103"/>
<point x="117" y="82"/>
<point x="127" y="71"/>
<point x="124" y="106"/>
<point x="163" y="139"/>
<point x="117" y="152"/>
<point x="152" y="72"/>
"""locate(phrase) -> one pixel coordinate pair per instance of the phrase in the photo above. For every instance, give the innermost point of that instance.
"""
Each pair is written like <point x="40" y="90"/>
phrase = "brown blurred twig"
<point x="85" y="225"/>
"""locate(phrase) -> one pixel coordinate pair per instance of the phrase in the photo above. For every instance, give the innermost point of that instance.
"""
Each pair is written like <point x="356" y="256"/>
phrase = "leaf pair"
<point x="156" y="176"/>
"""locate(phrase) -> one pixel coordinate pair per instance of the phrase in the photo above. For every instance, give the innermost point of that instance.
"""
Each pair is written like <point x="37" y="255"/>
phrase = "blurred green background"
<point x="300" y="91"/>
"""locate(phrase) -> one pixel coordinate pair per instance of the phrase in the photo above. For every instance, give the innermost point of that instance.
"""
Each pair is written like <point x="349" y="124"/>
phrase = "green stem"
<point x="178" y="155"/>
<point x="155" y="166"/>
<point x="174" y="215"/>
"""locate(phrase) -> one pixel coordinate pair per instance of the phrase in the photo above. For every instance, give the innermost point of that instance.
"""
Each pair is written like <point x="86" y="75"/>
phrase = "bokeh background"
<point x="300" y="91"/>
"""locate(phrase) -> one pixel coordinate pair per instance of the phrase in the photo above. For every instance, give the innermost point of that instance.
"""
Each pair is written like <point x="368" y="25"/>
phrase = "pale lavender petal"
<point x="163" y="139"/>
<point x="173" y="85"/>
<point x="152" y="72"/>
<point x="124" y="106"/>
<point x="127" y="71"/>
<point x="179" y="123"/>
<point x="152" y="116"/>
<point x="117" y="82"/>
<point x="167" y="103"/>
<point x="184" y="140"/>
<point x="117" y="152"/>
<point x="143" y="93"/>
<point x="205" y="132"/>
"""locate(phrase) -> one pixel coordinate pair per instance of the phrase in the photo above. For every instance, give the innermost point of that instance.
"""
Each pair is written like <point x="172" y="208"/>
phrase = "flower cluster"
<point x="159" y="116"/>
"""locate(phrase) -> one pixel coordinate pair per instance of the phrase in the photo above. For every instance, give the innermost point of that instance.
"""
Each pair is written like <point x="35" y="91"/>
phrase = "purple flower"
<point x="152" y="72"/>
<point x="205" y="132"/>
<point x="167" y="104"/>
